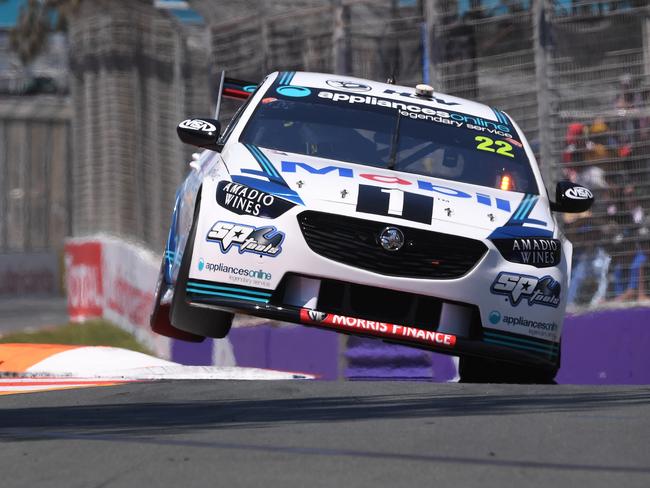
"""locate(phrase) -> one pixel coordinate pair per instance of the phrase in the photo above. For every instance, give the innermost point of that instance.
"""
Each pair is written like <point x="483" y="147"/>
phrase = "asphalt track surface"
<point x="313" y="434"/>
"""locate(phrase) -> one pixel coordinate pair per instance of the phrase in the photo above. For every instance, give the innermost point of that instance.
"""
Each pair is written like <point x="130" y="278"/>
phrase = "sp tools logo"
<point x="542" y="291"/>
<point x="265" y="241"/>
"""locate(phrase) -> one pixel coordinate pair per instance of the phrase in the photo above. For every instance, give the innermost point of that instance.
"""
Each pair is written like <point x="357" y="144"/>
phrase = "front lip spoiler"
<point x="459" y="346"/>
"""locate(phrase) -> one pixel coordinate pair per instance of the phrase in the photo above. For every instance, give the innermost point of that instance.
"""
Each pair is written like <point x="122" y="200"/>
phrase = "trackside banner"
<point x="114" y="279"/>
<point x="83" y="263"/>
<point x="30" y="274"/>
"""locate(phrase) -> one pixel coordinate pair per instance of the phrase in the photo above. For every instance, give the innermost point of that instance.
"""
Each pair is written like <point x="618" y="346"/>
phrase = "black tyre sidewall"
<point x="200" y="321"/>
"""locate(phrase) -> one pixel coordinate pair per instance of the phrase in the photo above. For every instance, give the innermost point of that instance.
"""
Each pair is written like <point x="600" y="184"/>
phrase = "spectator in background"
<point x="591" y="257"/>
<point x="628" y="101"/>
<point x="600" y="141"/>
<point x="628" y="97"/>
<point x="630" y="269"/>
<point x="586" y="156"/>
<point x="576" y="144"/>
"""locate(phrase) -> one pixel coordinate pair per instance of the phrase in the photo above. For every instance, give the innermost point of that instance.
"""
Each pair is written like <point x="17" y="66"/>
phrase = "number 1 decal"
<point x="486" y="143"/>
<point x="392" y="202"/>
<point x="395" y="201"/>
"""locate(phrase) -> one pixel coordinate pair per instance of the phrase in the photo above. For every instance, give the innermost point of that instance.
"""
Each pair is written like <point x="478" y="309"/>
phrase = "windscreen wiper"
<point x="392" y="161"/>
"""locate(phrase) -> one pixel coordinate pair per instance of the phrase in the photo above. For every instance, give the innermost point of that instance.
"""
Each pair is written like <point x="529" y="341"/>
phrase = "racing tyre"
<point x="195" y="320"/>
<point x="159" y="318"/>
<point x="479" y="370"/>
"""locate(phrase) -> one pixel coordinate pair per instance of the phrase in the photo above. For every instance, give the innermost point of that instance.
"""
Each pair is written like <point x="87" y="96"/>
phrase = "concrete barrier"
<point x="30" y="274"/>
<point x="114" y="279"/>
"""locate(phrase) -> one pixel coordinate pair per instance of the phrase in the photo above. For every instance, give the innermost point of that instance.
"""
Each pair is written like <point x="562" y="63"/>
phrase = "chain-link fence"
<point x="598" y="83"/>
<point x="575" y="77"/>
<point x="35" y="150"/>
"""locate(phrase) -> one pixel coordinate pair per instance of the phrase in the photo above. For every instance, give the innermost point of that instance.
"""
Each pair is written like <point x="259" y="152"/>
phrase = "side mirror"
<point x="200" y="132"/>
<point x="571" y="198"/>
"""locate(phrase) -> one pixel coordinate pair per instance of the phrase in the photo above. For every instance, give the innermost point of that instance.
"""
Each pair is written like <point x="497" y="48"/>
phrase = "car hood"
<point x="339" y="187"/>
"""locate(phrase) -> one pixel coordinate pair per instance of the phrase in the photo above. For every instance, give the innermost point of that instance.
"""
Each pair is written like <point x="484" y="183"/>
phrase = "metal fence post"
<point x="341" y="38"/>
<point x="432" y="22"/>
<point x="541" y="43"/>
<point x="646" y="42"/>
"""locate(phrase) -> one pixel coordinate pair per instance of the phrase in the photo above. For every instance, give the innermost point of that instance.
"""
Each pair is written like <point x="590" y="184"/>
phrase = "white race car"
<point x="371" y="209"/>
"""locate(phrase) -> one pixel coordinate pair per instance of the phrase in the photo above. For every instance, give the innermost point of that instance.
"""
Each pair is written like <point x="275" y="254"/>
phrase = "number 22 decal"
<point x="486" y="143"/>
<point x="395" y="203"/>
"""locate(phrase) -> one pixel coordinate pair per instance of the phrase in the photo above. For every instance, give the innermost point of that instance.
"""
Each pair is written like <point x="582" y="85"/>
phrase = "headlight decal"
<point x="540" y="252"/>
<point x="244" y="200"/>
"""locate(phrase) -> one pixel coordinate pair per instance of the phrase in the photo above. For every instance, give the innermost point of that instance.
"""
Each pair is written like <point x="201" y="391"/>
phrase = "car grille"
<point x="354" y="242"/>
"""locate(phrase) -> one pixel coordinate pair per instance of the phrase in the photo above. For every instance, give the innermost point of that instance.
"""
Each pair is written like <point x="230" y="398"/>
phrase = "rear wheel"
<point x="195" y="320"/>
<point x="480" y="370"/>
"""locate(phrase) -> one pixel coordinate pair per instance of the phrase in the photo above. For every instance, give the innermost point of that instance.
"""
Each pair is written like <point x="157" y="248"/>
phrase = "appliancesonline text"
<point x="424" y="113"/>
<point x="529" y="323"/>
<point x="240" y="275"/>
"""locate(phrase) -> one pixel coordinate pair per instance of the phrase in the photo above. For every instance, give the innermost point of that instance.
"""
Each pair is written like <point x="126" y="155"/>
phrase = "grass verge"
<point x="92" y="333"/>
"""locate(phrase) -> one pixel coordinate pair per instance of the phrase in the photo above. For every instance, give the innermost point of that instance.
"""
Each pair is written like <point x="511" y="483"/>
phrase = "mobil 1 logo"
<point x="393" y="202"/>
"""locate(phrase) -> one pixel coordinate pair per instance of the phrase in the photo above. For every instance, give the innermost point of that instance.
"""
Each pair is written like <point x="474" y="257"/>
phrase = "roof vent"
<point x="425" y="91"/>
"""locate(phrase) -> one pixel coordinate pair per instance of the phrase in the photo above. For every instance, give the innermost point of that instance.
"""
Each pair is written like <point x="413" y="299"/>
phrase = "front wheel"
<point x="195" y="320"/>
<point x="159" y="318"/>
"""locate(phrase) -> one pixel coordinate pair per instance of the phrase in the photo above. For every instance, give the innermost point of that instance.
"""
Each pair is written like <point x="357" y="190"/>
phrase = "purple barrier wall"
<point x="374" y="359"/>
<point x="606" y="347"/>
<point x="192" y="353"/>
<point x="294" y="348"/>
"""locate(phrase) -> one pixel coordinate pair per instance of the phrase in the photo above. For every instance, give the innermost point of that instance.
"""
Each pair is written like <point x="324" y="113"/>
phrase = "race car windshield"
<point x="383" y="133"/>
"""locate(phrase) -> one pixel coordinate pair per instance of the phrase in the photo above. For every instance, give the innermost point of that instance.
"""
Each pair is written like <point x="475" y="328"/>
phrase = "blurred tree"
<point x="37" y="19"/>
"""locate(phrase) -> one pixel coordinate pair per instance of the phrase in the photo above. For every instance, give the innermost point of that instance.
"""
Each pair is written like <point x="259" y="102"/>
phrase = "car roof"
<point x="440" y="101"/>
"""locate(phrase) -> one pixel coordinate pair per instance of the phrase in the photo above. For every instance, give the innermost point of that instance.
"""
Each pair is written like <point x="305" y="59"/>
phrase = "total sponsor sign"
<point x="114" y="279"/>
<point x="380" y="329"/>
<point x="83" y="262"/>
